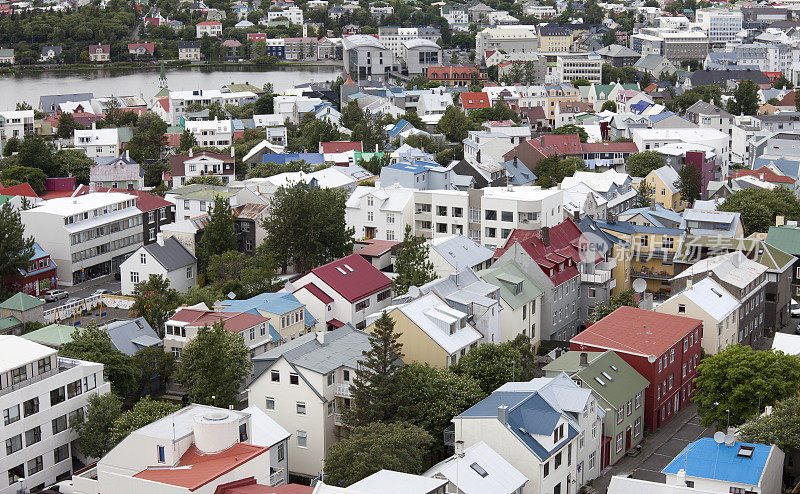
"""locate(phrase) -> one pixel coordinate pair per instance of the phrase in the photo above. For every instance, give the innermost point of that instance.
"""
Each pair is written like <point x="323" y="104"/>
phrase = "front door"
<point x="628" y="439"/>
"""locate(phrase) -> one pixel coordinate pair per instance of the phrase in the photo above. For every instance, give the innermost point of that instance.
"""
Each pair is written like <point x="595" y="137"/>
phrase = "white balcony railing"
<point x="598" y="278"/>
<point x="277" y="478"/>
<point x="337" y="419"/>
<point x="343" y="390"/>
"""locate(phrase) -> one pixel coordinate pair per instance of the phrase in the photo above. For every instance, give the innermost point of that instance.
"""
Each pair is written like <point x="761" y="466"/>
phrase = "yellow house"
<point x="431" y="331"/>
<point x="663" y="189"/>
<point x="556" y="93"/>
<point x="555" y="38"/>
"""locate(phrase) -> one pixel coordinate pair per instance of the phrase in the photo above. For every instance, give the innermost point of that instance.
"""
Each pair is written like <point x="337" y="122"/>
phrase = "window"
<point x="681" y="308"/>
<point x="331" y="407"/>
<point x="331" y="378"/>
<point x="33" y="436"/>
<point x="13" y="444"/>
<point x="569" y="454"/>
<point x="491" y="232"/>
<point x="189" y="273"/>
<point x="11" y="414"/>
<point x="546" y="469"/>
<point x="362" y="305"/>
<point x="143" y="258"/>
<point x="243" y="432"/>
<point x="619" y="442"/>
<point x="35" y="465"/>
<point x="638" y="400"/>
<point x="89" y="382"/>
<point x="302" y="439"/>
<point x="620" y="415"/>
<point x="43" y="365"/>
<point x="275" y="376"/>
<point x="18" y="375"/>
<point x="672" y="355"/>
<point x="557" y="488"/>
<point x="506" y="216"/>
<point x="637" y="427"/>
<point x="280" y="452"/>
<point x="346" y="375"/>
<point x="301" y="408"/>
<point x="59" y="424"/>
<point x="30" y="407"/>
<point x="557" y="461"/>
<point x="270" y="403"/>
<point x="491" y="214"/>
<point x="160" y="454"/>
<point x="134" y="277"/>
<point x="61" y="453"/>
<point x="74" y="389"/>
<point x="294" y="378"/>
<point x="628" y="407"/>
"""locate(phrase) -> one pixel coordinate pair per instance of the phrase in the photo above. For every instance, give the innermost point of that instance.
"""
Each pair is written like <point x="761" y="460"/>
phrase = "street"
<point x="85" y="289"/>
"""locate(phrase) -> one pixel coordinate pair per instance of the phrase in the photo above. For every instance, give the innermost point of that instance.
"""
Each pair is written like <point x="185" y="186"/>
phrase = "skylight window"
<point x="479" y="470"/>
<point x="607" y="376"/>
<point x="745" y="451"/>
<point x="341" y="270"/>
<point x="602" y="383"/>
<point x="614" y="368"/>
<point x="348" y="268"/>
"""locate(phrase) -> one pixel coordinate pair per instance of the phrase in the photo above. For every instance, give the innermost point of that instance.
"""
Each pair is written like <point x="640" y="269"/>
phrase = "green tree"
<point x="491" y="365"/>
<point x="759" y="207"/>
<point x="375" y="383"/>
<point x="625" y="298"/>
<point x="399" y="446"/>
<point x="207" y="295"/>
<point x="609" y="38"/>
<point x="500" y="111"/>
<point x="153" y="362"/>
<point x="95" y="438"/>
<point x="411" y="117"/>
<point x="35" y="152"/>
<point x="643" y="195"/>
<point x="214" y="365"/>
<point x="244" y="275"/>
<point x="552" y="170"/>
<point x="455" y="124"/>
<point x="782" y="83"/>
<point x="641" y="163"/>
<point x="781" y="428"/>
<point x="66" y="125"/>
<point x="187" y="140"/>
<point x="73" y="163"/>
<point x="745" y="99"/>
<point x="306" y="226"/>
<point x="16" y="250"/>
<point x="17" y="174"/>
<point x="738" y="381"/>
<point x="155" y="301"/>
<point x="609" y="105"/>
<point x="412" y="265"/>
<point x="219" y="235"/>
<point x="351" y="115"/>
<point x="143" y="412"/>
<point x="12" y="146"/>
<point x="148" y="138"/>
<point x="205" y="180"/>
<point x="94" y="345"/>
<point x="573" y="129"/>
<point x="689" y="183"/>
<point x="264" y="105"/>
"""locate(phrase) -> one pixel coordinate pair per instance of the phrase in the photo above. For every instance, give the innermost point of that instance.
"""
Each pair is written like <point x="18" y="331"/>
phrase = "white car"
<point x="794" y="308"/>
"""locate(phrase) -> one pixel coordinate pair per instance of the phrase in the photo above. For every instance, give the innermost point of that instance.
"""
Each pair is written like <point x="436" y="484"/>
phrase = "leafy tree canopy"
<point x="760" y="206"/>
<point x="781" y="428"/>
<point x="642" y="163"/>
<point x="155" y="301"/>
<point x="412" y="265"/>
<point x="572" y="129"/>
<point x="16" y="250"/>
<point x="552" y="170"/>
<point x="625" y="298"/>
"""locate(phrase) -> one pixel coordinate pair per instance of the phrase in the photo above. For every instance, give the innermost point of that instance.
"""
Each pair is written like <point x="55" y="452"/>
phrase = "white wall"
<point x="179" y="279"/>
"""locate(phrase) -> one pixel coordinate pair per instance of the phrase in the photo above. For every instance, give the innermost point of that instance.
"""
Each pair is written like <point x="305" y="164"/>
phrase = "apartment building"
<point x="209" y="28"/>
<point x="189" y="50"/>
<point x="196" y="449"/>
<point x="87" y="236"/>
<point x="653" y="139"/>
<point x="394" y="37"/>
<point x="555" y="38"/>
<point x="505" y="209"/>
<point x="179" y="101"/>
<point x="516" y="40"/>
<point x="721" y="26"/>
<point x="43" y="396"/>
<point x="365" y="56"/>
<point x="211" y="133"/>
<point x="684" y="45"/>
<point x="294" y="14"/>
<point x="15" y="123"/>
<point x="304" y="386"/>
<point x="98" y="142"/>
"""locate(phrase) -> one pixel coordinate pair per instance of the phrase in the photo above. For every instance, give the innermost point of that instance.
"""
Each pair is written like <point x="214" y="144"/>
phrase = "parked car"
<point x="102" y="291"/>
<point x="53" y="295"/>
<point x="794" y="308"/>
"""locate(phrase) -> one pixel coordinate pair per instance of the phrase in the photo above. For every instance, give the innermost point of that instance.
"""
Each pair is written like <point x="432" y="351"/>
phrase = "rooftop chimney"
<point x="191" y="153"/>
<point x="502" y="414"/>
<point x="321" y="337"/>
<point x="780" y="220"/>
<point x="160" y="239"/>
<point x="92" y="187"/>
<point x="546" y="235"/>
<point x="584" y="359"/>
<point x="611" y="218"/>
<point x="576" y="216"/>
<point x="681" y="477"/>
<point x="652" y="204"/>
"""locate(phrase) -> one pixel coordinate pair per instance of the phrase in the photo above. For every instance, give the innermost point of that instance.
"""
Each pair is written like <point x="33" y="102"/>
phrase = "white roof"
<point x="420" y="43"/>
<point x="16" y="352"/>
<point x="391" y="482"/>
<point x="265" y="431"/>
<point x="678" y="148"/>
<point x="501" y="476"/>
<point x="669" y="176"/>
<point x="429" y="311"/>
<point x="67" y="206"/>
<point x="361" y="40"/>
<point x="210" y="94"/>
<point x="712" y="298"/>
<point x="524" y="193"/>
<point x="393" y="197"/>
<point x="180" y="423"/>
<point x="787" y="343"/>
<point x="98" y="137"/>
<point x="600" y="182"/>
<point x="215" y="125"/>
<point x="625" y="485"/>
<point x="733" y="268"/>
<point x="328" y="178"/>
<point x="700" y="134"/>
<point x="560" y="392"/>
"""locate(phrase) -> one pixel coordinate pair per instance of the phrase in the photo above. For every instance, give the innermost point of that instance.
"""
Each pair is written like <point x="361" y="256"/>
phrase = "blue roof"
<point x="640" y="106"/>
<point x="276" y="336"/>
<point x="309" y="319"/>
<point x="398" y="127"/>
<point x="787" y="165"/>
<point x="283" y="158"/>
<point x="275" y="303"/>
<point x="707" y="459"/>
<point x="630" y="229"/>
<point x="655" y="216"/>
<point x="417" y="166"/>
<point x="488" y="406"/>
<point x="38" y="253"/>
<point x="661" y="116"/>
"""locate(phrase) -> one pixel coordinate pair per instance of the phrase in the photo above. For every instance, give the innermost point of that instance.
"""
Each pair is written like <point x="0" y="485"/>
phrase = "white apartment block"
<point x="393" y="37"/>
<point x="294" y="14"/>
<point x="97" y="142"/>
<point x="211" y="133"/>
<point x="539" y="11"/>
<point x="570" y="67"/>
<point x="209" y="28"/>
<point x="87" y="236"/>
<point x="510" y="39"/>
<point x="42" y="396"/>
<point x="15" y="123"/>
<point x="721" y="26"/>
<point x="180" y="100"/>
<point x="652" y="139"/>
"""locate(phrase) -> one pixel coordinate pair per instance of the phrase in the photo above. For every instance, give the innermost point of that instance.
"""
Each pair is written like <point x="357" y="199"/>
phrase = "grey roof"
<point x="708" y="109"/>
<point x="708" y="77"/>
<point x="617" y="51"/>
<point x="188" y="44"/>
<point x="344" y="346"/>
<point x="56" y="50"/>
<point x="49" y="103"/>
<point x="649" y="61"/>
<point x="461" y="252"/>
<point x="131" y="336"/>
<point x="172" y="255"/>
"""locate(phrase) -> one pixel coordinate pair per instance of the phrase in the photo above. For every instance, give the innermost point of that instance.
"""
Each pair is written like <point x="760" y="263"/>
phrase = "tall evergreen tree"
<point x="643" y="195"/>
<point x="15" y="249"/>
<point x="689" y="182"/>
<point x="412" y="265"/>
<point x="219" y="235"/>
<point x="375" y="383"/>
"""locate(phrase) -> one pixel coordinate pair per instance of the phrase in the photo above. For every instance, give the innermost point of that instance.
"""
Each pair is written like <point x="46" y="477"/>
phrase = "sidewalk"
<point x="650" y="445"/>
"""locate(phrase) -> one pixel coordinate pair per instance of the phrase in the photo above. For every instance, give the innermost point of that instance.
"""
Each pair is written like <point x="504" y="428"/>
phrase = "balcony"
<point x="598" y="278"/>
<point x="343" y="390"/>
<point x="338" y="420"/>
<point x="651" y="274"/>
<point x="277" y="478"/>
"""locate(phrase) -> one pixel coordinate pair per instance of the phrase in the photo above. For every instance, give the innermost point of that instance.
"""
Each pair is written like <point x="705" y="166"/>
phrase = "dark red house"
<point x="663" y="348"/>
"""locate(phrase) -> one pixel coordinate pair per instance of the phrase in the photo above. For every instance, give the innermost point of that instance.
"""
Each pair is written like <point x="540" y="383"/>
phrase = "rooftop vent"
<point x="602" y="383"/>
<point x="347" y="267"/>
<point x="607" y="376"/>
<point x="614" y="368"/>
<point x="745" y="451"/>
<point x="479" y="470"/>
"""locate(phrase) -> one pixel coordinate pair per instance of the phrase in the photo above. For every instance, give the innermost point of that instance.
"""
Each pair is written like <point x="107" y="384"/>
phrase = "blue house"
<point x="288" y="317"/>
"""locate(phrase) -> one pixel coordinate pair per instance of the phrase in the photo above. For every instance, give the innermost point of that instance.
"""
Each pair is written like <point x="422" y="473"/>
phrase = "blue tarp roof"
<point x="282" y="159"/>
<point x="705" y="458"/>
<point x="275" y="303"/>
<point x="417" y="166"/>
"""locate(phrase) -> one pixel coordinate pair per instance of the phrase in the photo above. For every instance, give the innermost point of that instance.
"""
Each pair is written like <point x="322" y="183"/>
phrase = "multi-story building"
<point x="179" y="101"/>
<point x="184" y="325"/>
<point x="166" y="258"/>
<point x="559" y="454"/>
<point x="721" y="26"/>
<point x="652" y="139"/>
<point x="366" y="56"/>
<point x="613" y="186"/>
<point x="684" y="45"/>
<point x="301" y="48"/>
<point x="211" y="133"/>
<point x="393" y="37"/>
<point x="98" y="142"/>
<point x="515" y="40"/>
<point x="663" y="348"/>
<point x="294" y="14"/>
<point x="304" y="385"/>
<point x="87" y="236"/>
<point x="289" y="317"/>
<point x="570" y="67"/>
<point x="189" y="50"/>
<point x="418" y="54"/>
<point x="455" y="14"/>
<point x="117" y="172"/>
<point x="620" y="391"/>
<point x="15" y="123"/>
<point x="555" y="37"/>
<point x="454" y="76"/>
<point x="43" y="397"/>
<point x="520" y="301"/>
<point x="99" y="53"/>
<point x="663" y="190"/>
<point x="184" y="167"/>
<point x="209" y="28"/>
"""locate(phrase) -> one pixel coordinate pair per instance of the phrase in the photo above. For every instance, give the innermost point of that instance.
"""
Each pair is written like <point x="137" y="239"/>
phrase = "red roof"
<point x="788" y="100"/>
<point x="352" y="277"/>
<point x="470" y="101"/>
<point x="559" y="144"/>
<point x="249" y="486"/>
<point x="375" y="247"/>
<point x="339" y="146"/>
<point x="636" y="331"/>
<point x="209" y="23"/>
<point x="148" y="47"/>
<point x="762" y="173"/>
<point x="164" y="102"/>
<point x="335" y="323"/>
<point x="559" y="260"/>
<point x="317" y="292"/>
<point x="609" y="147"/>
<point x="18" y="190"/>
<point x="204" y="467"/>
<point x="103" y="48"/>
<point x="234" y="322"/>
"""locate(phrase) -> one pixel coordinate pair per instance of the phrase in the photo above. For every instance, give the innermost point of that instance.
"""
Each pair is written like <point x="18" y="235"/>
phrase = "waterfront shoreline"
<point x="155" y="66"/>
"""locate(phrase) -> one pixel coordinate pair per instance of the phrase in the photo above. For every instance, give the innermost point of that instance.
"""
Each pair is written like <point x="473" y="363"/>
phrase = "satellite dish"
<point x="413" y="292"/>
<point x="231" y="295"/>
<point x="719" y="437"/>
<point x="729" y="440"/>
<point x="639" y="285"/>
<point x="651" y="358"/>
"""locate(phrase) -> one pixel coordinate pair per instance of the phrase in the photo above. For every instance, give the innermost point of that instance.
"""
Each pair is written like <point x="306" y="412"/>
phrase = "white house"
<point x="380" y="213"/>
<point x="167" y="258"/>
<point x="194" y="450"/>
<point x="184" y="325"/>
<point x="97" y="142"/>
<point x="43" y="396"/>
<point x="455" y="253"/>
<point x="478" y="470"/>
<point x="304" y="385"/>
<point x="209" y="28"/>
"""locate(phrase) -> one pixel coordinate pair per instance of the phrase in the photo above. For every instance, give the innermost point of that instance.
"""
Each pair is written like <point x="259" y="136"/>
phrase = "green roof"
<point x="21" y="301"/>
<point x="163" y="93"/>
<point x="786" y="238"/>
<point x="53" y="335"/>
<point x="618" y="386"/>
<point x="603" y="88"/>
<point x="512" y="274"/>
<point x="9" y="322"/>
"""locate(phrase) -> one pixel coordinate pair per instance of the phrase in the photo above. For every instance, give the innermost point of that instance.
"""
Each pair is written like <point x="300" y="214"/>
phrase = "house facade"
<point x="166" y="258"/>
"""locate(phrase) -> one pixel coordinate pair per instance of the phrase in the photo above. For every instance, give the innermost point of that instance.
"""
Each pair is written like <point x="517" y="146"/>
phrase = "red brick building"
<point x="454" y="76"/>
<point x="663" y="348"/>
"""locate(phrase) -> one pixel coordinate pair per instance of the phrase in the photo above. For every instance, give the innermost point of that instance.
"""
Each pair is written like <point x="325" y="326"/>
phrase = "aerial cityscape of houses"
<point x="512" y="247"/>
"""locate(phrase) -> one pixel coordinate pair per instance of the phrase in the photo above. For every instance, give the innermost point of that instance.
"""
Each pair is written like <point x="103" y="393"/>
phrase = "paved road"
<point x="85" y="289"/>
